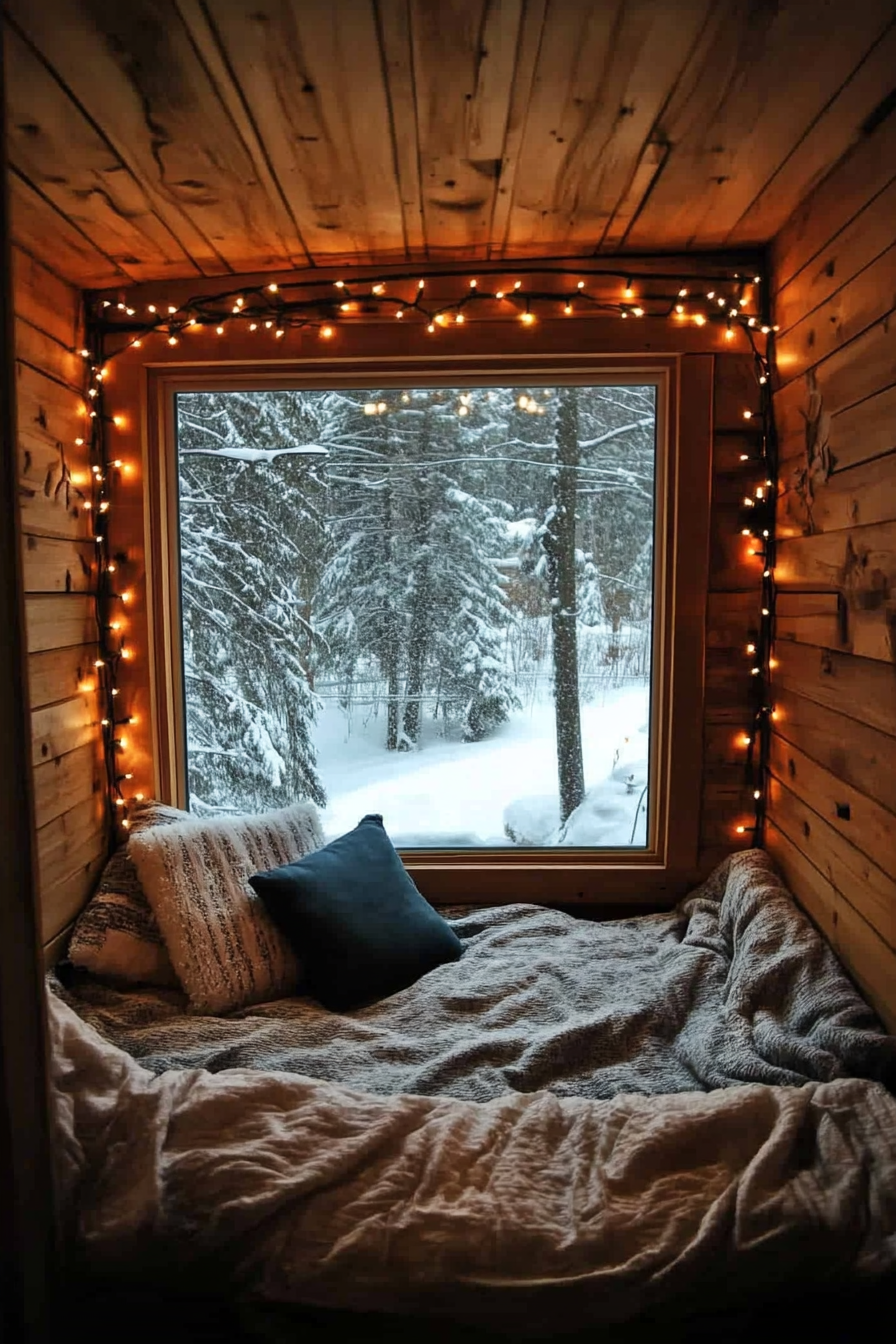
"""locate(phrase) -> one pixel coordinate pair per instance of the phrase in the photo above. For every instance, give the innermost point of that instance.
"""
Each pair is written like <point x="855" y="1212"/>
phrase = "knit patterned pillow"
<point x="225" y="948"/>
<point x="116" y="935"/>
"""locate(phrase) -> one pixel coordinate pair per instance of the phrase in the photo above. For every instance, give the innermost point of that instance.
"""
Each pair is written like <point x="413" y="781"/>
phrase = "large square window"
<point x="465" y="591"/>
<point x="433" y="602"/>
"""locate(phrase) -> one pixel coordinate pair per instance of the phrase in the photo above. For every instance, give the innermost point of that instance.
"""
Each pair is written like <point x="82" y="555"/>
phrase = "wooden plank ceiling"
<point x="177" y="138"/>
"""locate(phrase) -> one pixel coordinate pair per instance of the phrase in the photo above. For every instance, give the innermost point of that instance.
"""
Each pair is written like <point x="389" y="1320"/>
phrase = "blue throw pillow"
<point x="354" y="917"/>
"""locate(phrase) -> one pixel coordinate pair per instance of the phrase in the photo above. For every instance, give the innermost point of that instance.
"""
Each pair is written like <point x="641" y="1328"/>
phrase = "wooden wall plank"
<point x="803" y="604"/>
<point x="853" y="435"/>
<point x="30" y="1270"/>
<point x="865" y="300"/>
<point x="67" y="781"/>
<point x="53" y="622"/>
<point x="736" y="391"/>
<point x="862" y="756"/>
<point x="857" y="496"/>
<point x="860" y="563"/>
<point x="860" y="688"/>
<point x="853" y="249"/>
<point x="850" y="188"/>
<point x="862" y="432"/>
<point x="724" y="744"/>
<point x="63" y="727"/>
<point x="869" y="960"/>
<point x="71" y="851"/>
<point x="824" y="630"/>
<point x="859" y="819"/>
<point x="732" y="616"/>
<point x="44" y="300"/>
<point x="859" y="370"/>
<point x="53" y="468"/>
<point x="59" y="674"/>
<point x="866" y="887"/>
<point x="47" y="407"/>
<point x="54" y="565"/>
<point x="817" y="896"/>
<point x="50" y="484"/>
<point x="35" y="348"/>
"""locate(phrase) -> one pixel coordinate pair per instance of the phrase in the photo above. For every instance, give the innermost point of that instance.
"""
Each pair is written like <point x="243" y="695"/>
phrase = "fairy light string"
<point x="326" y="309"/>
<point x="95" y="497"/>
<point x="759" y="509"/>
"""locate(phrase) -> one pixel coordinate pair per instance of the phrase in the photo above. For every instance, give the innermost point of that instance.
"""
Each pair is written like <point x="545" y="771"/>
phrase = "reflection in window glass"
<point x="431" y="603"/>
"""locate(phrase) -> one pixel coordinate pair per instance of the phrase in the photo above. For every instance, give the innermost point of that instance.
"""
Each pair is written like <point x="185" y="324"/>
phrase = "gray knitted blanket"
<point x="733" y="986"/>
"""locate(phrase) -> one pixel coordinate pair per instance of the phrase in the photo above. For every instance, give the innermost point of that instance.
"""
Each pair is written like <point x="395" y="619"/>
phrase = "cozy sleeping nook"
<point x="448" y="568"/>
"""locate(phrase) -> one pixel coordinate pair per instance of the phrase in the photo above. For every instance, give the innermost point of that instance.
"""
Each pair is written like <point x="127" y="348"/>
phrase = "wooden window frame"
<point x="657" y="875"/>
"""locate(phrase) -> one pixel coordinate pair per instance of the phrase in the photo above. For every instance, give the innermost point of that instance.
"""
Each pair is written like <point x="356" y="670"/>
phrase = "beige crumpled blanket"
<point x="532" y="1212"/>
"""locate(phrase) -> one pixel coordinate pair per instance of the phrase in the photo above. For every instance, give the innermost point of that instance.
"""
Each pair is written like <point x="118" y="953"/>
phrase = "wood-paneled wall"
<point x="59" y="574"/>
<point x="833" y="789"/>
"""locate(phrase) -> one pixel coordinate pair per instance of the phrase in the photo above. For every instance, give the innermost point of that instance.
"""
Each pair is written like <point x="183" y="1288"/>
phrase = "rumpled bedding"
<point x="733" y="986"/>
<point x="535" y="1214"/>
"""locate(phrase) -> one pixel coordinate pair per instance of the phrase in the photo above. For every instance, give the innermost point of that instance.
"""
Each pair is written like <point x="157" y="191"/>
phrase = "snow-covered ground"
<point x="451" y="793"/>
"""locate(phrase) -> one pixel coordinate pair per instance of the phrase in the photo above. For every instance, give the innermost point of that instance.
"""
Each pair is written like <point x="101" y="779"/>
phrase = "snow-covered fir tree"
<point x="412" y="580"/>
<point x="251" y="540"/>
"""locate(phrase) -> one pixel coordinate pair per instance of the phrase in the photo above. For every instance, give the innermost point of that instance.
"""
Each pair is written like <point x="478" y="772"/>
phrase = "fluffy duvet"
<point x="734" y="986"/>
<point x="535" y="1213"/>
<point x="497" y="1203"/>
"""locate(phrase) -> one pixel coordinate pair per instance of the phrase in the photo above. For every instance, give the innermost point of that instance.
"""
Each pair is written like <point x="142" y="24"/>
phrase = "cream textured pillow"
<point x="223" y="945"/>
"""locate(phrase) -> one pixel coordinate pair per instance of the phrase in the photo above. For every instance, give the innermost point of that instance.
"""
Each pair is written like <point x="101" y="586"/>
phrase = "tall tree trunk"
<point x="560" y="544"/>
<point x="418" y="643"/>
<point x="420" y="614"/>
<point x="389" y="650"/>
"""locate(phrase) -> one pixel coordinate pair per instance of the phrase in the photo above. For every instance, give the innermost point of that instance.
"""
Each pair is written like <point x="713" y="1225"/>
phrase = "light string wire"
<point x="111" y="597"/>
<point x="268" y="307"/>
<point x="279" y="307"/>
<point x="758" y="522"/>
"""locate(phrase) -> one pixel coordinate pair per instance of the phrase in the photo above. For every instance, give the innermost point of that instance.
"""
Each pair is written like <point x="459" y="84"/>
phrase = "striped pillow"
<point x="223" y="945"/>
<point x="116" y="935"/>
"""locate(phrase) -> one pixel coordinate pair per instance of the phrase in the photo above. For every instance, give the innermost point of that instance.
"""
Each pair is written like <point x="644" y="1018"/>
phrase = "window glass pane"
<point x="433" y="603"/>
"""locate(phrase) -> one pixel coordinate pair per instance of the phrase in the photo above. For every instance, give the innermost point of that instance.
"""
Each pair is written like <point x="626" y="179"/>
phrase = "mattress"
<point x="734" y="986"/>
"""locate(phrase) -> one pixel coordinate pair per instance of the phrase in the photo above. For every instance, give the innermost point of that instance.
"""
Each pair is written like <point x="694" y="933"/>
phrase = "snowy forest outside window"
<point x="435" y="603"/>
